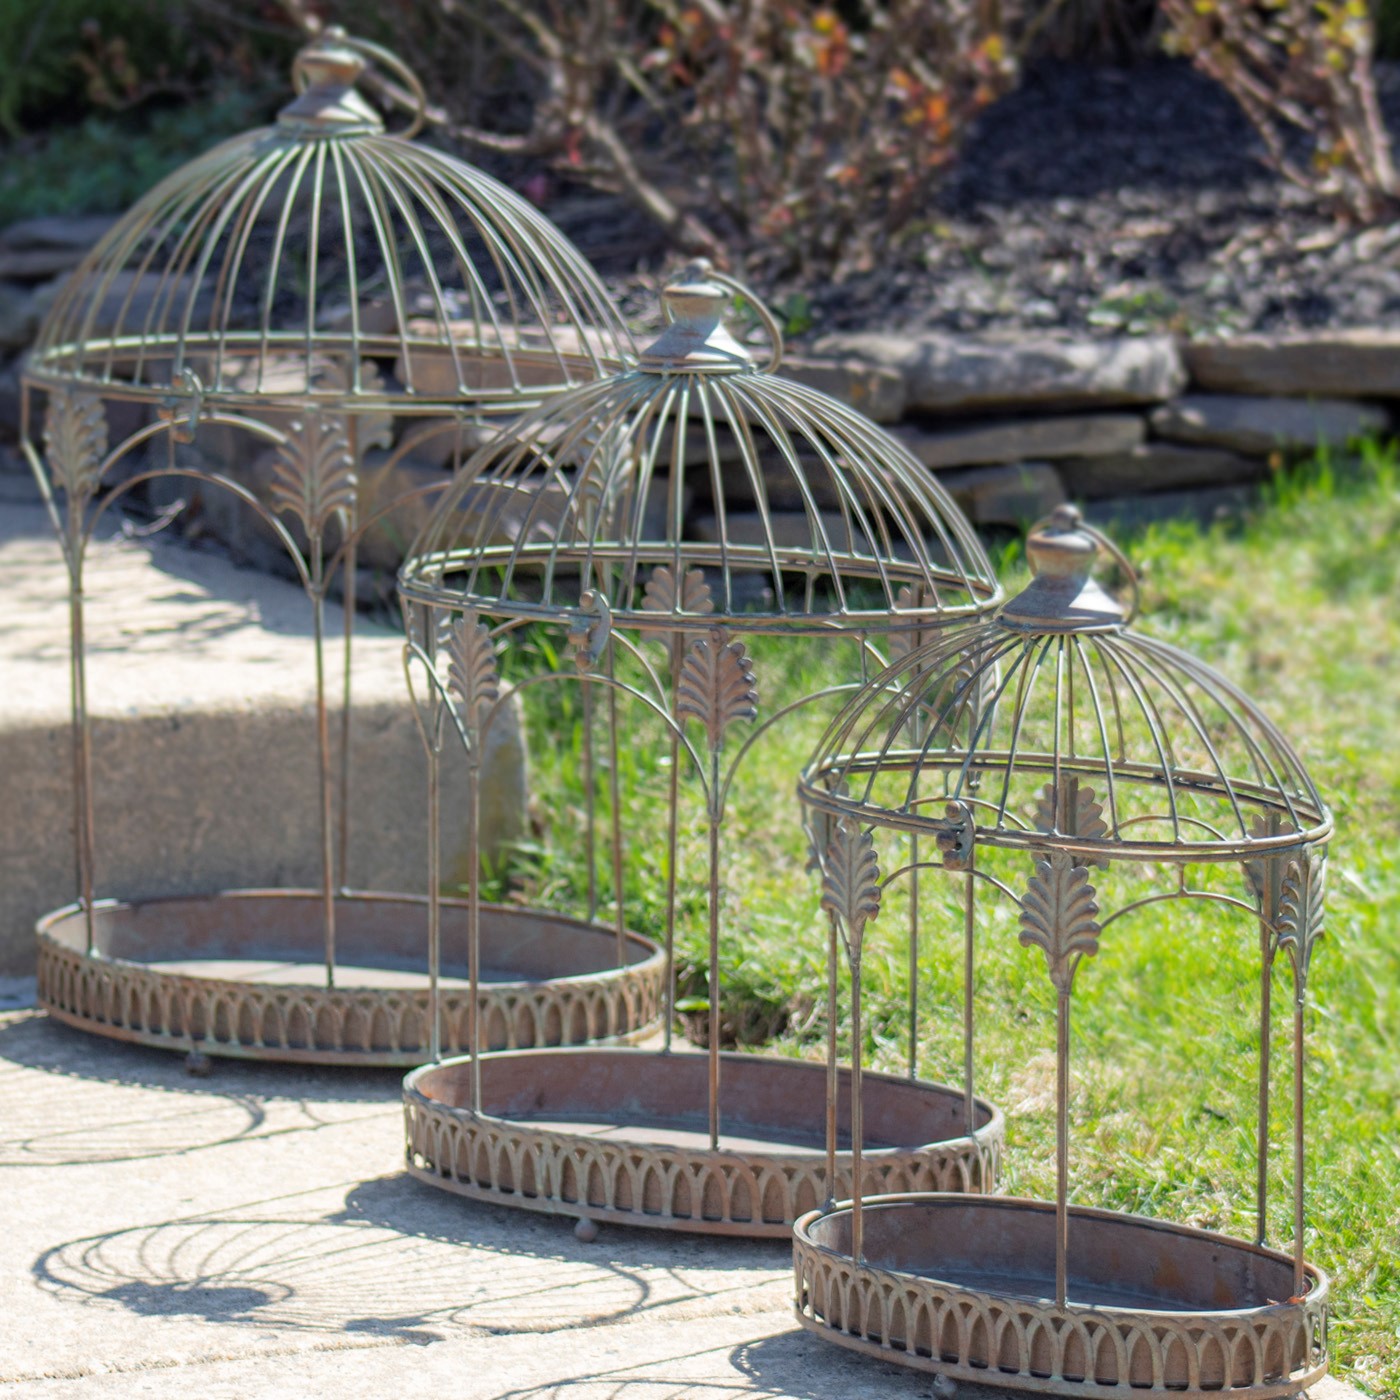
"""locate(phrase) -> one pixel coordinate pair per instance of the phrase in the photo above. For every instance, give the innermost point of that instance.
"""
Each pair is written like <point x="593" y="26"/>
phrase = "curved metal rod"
<point x="1183" y="893"/>
<point x="599" y="679"/>
<point x="939" y="865"/>
<point x="417" y="103"/>
<point x="414" y="652"/>
<point x="351" y="538"/>
<point x="758" y="730"/>
<point x="46" y="494"/>
<point x="770" y="322"/>
<point x="241" y="492"/>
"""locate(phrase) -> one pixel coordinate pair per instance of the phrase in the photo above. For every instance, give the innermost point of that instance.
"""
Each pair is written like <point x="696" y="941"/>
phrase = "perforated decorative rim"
<point x="695" y="1190"/>
<point x="130" y="1001"/>
<point x="1026" y="1343"/>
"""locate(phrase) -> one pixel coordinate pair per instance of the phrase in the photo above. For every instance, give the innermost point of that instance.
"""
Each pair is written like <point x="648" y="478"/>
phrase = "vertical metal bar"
<point x="323" y="747"/>
<point x="1298" y="1153"/>
<point x="474" y="911"/>
<point x="832" y="1076"/>
<point x="669" y="990"/>
<point x="1270" y="893"/>
<point x="615" y="800"/>
<point x="1061" y="1148"/>
<point x="1266" y="976"/>
<point x="434" y="904"/>
<point x="914" y="958"/>
<point x="349" y="596"/>
<point x="714" y="946"/>
<point x="969" y="952"/>
<point x="589" y="802"/>
<point x="857" y="1119"/>
<point x="84" y="821"/>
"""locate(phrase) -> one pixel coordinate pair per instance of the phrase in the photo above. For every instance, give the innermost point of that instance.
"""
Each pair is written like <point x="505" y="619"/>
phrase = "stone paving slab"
<point x="201" y="686"/>
<point x="251" y="1234"/>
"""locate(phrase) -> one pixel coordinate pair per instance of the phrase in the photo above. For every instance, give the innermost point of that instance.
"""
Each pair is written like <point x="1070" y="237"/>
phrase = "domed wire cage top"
<point x="1056" y="731"/>
<point x="817" y="519"/>
<point x="1054" y="694"/>
<point x="284" y="263"/>
<point x="300" y="319"/>
<point x="696" y="502"/>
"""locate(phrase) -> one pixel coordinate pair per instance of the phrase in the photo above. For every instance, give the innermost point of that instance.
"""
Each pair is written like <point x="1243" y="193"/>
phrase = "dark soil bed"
<point x="1091" y="200"/>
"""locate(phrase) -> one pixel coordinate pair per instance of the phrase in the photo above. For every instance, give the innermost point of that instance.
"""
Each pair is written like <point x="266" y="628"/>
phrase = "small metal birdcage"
<point x="1056" y="733"/>
<point x="656" y="525"/>
<point x="316" y="320"/>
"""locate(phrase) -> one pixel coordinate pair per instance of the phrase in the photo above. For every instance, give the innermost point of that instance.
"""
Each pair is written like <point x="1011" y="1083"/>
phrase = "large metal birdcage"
<point x="315" y="321"/>
<point x="1037" y="757"/>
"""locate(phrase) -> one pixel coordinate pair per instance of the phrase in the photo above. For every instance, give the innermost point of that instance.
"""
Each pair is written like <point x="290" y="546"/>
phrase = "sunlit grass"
<point x="1301" y="607"/>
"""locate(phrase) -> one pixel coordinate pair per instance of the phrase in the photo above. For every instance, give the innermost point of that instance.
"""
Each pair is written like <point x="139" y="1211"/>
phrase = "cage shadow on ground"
<point x="239" y="1099"/>
<point x="387" y="1258"/>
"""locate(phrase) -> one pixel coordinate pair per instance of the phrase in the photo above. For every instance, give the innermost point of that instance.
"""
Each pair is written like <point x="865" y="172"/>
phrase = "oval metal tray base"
<point x="242" y="973"/>
<point x="623" y="1136"/>
<point x="965" y="1286"/>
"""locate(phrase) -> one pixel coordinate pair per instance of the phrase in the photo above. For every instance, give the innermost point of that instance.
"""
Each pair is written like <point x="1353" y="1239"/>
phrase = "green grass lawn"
<point x="1301" y="607"/>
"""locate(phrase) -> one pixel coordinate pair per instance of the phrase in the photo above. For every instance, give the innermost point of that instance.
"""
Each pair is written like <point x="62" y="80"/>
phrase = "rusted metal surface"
<point x="623" y="1136"/>
<point x="239" y="974"/>
<point x="964" y="1286"/>
<point x="1054" y="732"/>
<point x="243" y="313"/>
<point x="653" y="618"/>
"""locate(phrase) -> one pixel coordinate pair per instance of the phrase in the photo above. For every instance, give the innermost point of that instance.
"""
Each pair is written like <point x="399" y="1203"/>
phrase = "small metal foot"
<point x="586" y="1231"/>
<point x="198" y="1064"/>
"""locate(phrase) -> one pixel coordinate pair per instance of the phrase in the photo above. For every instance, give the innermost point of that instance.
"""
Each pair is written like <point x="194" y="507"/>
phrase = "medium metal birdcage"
<point x="1056" y="735"/>
<point x="656" y="526"/>
<point x="316" y="320"/>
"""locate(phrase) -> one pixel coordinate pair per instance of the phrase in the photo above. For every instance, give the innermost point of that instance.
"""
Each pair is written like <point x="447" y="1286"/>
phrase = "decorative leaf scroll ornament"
<point x="662" y="596"/>
<point x="1256" y="871"/>
<point x="1085" y="817"/>
<point x="717" y="685"/>
<point x="75" y="442"/>
<point x="472" y="674"/>
<point x="851" y="883"/>
<point x="1301" y="915"/>
<point x="590" y="632"/>
<point x="1057" y="916"/>
<point x="910" y="598"/>
<point x="314" y="476"/>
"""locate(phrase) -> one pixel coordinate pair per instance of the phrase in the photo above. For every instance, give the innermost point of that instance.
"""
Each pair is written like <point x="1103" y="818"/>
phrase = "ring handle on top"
<point x="410" y="95"/>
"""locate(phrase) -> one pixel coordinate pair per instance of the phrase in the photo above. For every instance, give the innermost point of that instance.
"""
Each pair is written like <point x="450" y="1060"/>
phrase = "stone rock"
<point x="876" y="392"/>
<point x="36" y="249"/>
<point x="9" y="404"/>
<point x="1155" y="466"/>
<point x="1344" y="363"/>
<point x="1023" y="439"/>
<point x="131" y="296"/>
<point x="1005" y="495"/>
<point x="1258" y="426"/>
<point x="787" y="529"/>
<point x="950" y="374"/>
<point x="1204" y="506"/>
<point x="432" y="372"/>
<point x="19" y="317"/>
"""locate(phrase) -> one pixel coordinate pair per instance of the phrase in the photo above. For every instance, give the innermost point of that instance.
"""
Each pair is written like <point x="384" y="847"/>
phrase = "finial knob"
<point x="1061" y="547"/>
<point x="324" y="74"/>
<point x="327" y="62"/>
<point x="696" y="338"/>
<point x="1062" y="597"/>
